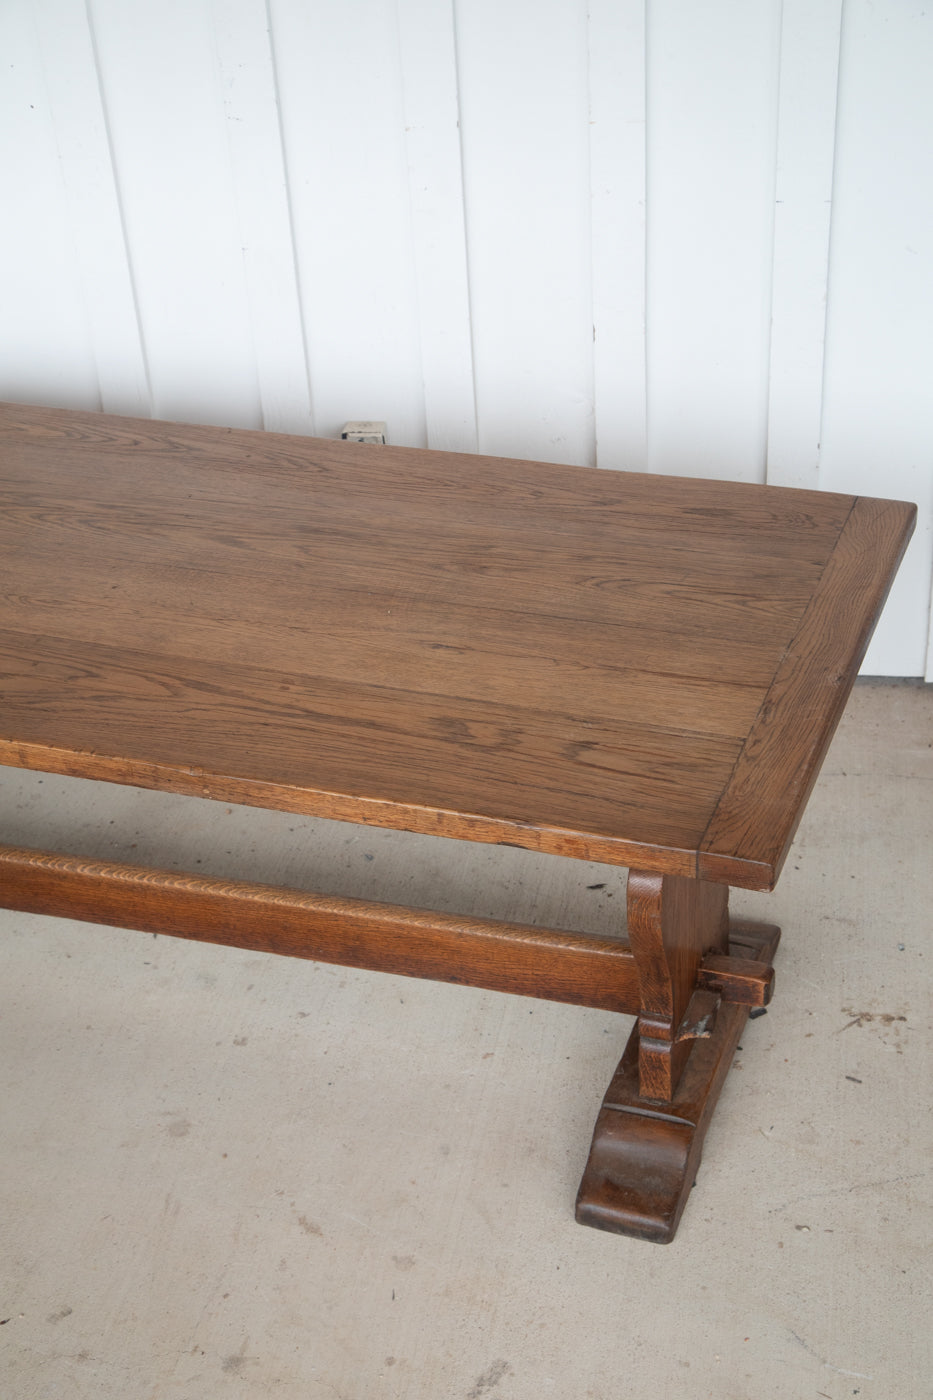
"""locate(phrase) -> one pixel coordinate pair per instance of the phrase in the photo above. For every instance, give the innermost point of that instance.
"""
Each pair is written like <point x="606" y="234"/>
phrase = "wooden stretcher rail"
<point x="546" y="963"/>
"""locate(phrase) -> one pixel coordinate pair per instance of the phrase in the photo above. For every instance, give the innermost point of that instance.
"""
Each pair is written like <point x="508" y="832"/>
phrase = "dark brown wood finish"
<point x="766" y="794"/>
<point x="737" y="979"/>
<point x="634" y="669"/>
<point x="553" y="964"/>
<point x="565" y="659"/>
<point x="548" y="963"/>
<point x="644" y="1155"/>
<point x="672" y="924"/>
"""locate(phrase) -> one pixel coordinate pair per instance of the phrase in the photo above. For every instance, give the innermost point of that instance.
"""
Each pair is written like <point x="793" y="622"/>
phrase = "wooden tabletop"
<point x="639" y="669"/>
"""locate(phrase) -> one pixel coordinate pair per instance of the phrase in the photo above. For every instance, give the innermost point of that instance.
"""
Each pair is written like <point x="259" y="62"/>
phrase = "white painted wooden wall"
<point x="654" y="234"/>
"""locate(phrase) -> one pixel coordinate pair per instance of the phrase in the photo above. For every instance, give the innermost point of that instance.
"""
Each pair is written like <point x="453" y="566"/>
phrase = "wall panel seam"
<point x="293" y="240"/>
<point x="466" y="222"/>
<point x="121" y="213"/>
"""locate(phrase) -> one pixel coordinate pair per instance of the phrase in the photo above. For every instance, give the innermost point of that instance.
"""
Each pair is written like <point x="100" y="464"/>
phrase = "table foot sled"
<point x="645" y="1152"/>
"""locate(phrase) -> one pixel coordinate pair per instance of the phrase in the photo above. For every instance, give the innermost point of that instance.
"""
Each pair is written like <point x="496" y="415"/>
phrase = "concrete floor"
<point x="225" y="1174"/>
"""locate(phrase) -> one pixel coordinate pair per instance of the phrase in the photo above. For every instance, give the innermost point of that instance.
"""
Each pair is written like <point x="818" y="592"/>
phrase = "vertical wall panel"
<point x="250" y="112"/>
<point x="94" y="217"/>
<point x="810" y="36"/>
<point x="617" y="172"/>
<point x="712" y="108"/>
<point x="878" y="409"/>
<point x="340" y="93"/>
<point x="162" y="96"/>
<point x="435" y="183"/>
<point x="45" y="346"/>
<point x="523" y="107"/>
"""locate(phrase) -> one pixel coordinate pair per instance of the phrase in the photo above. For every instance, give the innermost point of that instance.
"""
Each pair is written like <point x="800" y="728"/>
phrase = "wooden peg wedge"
<point x="738" y="980"/>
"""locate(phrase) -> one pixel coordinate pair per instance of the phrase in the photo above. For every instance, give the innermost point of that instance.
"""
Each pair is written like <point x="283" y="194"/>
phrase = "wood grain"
<point x="581" y="662"/>
<point x="528" y="961"/>
<point x="645" y="1155"/>
<point x="744" y="980"/>
<point x="761" y="806"/>
<point x="673" y="923"/>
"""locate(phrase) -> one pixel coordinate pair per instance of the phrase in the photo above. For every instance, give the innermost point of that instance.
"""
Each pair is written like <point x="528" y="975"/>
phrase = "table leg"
<point x="649" y="1133"/>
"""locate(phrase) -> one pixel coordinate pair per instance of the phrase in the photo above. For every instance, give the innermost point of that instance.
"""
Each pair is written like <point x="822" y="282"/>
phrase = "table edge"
<point x="764" y="765"/>
<point x="367" y="811"/>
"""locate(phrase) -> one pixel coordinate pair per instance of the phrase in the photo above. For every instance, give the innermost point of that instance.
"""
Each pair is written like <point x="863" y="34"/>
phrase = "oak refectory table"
<point x="633" y="669"/>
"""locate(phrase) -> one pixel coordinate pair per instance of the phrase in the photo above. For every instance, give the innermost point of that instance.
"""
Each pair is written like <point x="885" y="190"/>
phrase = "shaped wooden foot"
<point x="645" y="1153"/>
